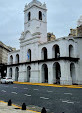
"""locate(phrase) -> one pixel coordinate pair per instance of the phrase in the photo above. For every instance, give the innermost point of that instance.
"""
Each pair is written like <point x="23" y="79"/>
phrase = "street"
<point x="56" y="100"/>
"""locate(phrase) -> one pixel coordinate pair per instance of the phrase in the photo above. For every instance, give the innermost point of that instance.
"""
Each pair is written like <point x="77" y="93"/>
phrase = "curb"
<point x="51" y="85"/>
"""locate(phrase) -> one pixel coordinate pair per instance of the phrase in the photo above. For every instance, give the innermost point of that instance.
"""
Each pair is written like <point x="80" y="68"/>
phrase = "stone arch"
<point x="29" y="16"/>
<point x="44" y="53"/>
<point x="29" y="55"/>
<point x="11" y="59"/>
<point x="55" y="51"/>
<point x="17" y="58"/>
<point x="28" y="73"/>
<point x="56" y="73"/>
<point x="40" y="15"/>
<point x="72" y="73"/>
<point x="71" y="51"/>
<point x="44" y="73"/>
<point x="16" y="73"/>
<point x="10" y="72"/>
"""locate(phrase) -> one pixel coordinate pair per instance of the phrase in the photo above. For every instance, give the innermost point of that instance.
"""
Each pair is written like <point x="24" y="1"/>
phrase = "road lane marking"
<point x="3" y="91"/>
<point x="14" y="87"/>
<point x="14" y="92"/>
<point x="67" y="101"/>
<point x="27" y="95"/>
<point x="36" y="89"/>
<point x="44" y="98"/>
<point x="25" y="88"/>
<point x="70" y="102"/>
<point x="49" y="91"/>
<point x="68" y="93"/>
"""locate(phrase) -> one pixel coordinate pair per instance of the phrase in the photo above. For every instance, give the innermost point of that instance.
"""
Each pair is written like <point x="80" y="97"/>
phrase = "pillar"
<point x="65" y="73"/>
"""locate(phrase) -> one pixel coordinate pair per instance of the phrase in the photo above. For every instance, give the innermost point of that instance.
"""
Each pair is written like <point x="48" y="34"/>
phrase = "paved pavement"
<point x="54" y="99"/>
<point x="4" y="108"/>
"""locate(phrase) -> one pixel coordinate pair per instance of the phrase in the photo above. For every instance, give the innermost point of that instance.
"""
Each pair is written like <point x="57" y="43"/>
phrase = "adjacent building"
<point x="42" y="58"/>
<point x="4" y="50"/>
<point x="3" y="58"/>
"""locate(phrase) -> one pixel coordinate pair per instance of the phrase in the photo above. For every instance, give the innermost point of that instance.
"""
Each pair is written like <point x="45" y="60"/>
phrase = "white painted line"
<point x="68" y="93"/>
<point x="41" y="97"/>
<point x="70" y="102"/>
<point x="27" y="95"/>
<point x="14" y="87"/>
<point x="44" y="98"/>
<point x="36" y="89"/>
<point x="49" y="91"/>
<point x="67" y="101"/>
<point x="25" y="88"/>
<point x="14" y="92"/>
<point x="3" y="91"/>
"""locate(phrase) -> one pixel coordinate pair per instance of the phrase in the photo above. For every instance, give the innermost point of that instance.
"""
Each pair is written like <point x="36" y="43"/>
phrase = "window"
<point x="71" y="51"/>
<point x="40" y="15"/>
<point x="56" y="51"/>
<point x="44" y="53"/>
<point x="17" y="58"/>
<point x="29" y="16"/>
<point x="29" y="55"/>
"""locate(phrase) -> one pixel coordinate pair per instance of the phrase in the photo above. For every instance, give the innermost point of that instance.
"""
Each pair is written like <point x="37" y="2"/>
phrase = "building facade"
<point x="3" y="58"/>
<point x="40" y="60"/>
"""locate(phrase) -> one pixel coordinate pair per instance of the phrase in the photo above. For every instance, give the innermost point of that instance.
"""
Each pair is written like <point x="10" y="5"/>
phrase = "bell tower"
<point x="35" y="20"/>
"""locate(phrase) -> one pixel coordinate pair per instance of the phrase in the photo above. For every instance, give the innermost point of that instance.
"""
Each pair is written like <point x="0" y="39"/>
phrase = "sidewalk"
<point x="4" y="108"/>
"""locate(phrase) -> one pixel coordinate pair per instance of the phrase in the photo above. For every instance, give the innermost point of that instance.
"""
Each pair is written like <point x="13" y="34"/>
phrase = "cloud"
<point x="62" y="15"/>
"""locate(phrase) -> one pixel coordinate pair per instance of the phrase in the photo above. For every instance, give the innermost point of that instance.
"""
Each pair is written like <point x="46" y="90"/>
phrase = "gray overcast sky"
<point x="62" y="15"/>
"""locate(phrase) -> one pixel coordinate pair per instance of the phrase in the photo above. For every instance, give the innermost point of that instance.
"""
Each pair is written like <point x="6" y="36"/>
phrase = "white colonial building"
<point x="42" y="61"/>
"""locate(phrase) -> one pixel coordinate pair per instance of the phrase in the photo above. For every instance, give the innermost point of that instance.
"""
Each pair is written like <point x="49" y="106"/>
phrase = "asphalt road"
<point x="56" y="100"/>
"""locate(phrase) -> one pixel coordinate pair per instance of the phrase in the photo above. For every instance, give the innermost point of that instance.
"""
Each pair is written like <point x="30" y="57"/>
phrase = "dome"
<point x="35" y="2"/>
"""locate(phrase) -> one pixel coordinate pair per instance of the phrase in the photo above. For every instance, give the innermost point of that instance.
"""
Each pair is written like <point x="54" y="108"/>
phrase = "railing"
<point x="10" y="63"/>
<point x="16" y="62"/>
<point x="42" y="61"/>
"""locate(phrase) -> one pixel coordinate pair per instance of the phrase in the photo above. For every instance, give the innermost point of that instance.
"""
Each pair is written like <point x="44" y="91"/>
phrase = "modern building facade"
<point x="40" y="60"/>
